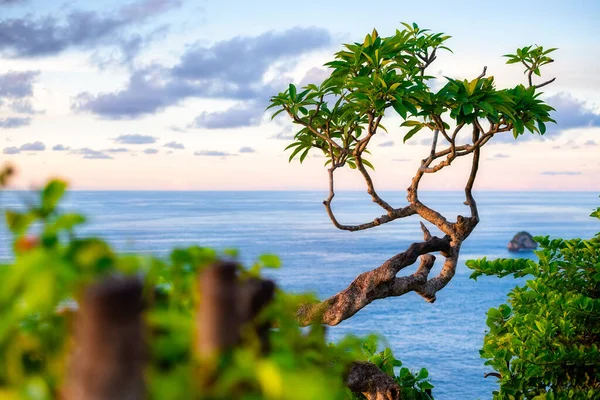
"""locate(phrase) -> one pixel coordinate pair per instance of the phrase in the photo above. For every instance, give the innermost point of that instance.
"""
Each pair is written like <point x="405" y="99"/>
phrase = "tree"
<point x="385" y="76"/>
<point x="544" y="343"/>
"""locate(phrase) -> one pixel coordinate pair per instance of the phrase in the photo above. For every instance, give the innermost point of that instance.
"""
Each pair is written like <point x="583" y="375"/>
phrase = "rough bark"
<point x="382" y="282"/>
<point x="373" y="383"/>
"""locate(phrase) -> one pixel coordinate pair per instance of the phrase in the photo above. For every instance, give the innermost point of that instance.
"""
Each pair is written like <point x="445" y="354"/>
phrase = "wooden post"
<point x="217" y="319"/>
<point x="226" y="306"/>
<point x="109" y="353"/>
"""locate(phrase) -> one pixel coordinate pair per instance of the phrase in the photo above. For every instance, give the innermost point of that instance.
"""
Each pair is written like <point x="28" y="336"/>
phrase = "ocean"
<point x="445" y="337"/>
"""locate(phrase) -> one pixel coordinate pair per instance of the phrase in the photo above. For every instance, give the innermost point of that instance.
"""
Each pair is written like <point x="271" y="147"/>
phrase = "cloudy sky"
<point x="170" y="94"/>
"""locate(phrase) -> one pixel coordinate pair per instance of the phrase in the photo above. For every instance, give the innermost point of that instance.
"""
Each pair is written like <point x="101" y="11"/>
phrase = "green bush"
<point x="53" y="265"/>
<point x="544" y="342"/>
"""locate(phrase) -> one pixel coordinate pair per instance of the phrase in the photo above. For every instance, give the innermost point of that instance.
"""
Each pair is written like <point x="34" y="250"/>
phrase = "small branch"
<point x="431" y="287"/>
<point x="483" y="73"/>
<point x="473" y="174"/>
<point x="440" y="125"/>
<point x="434" y="143"/>
<point x="313" y="130"/>
<point x="371" y="188"/>
<point x="426" y="233"/>
<point x="494" y="374"/>
<point x="393" y="213"/>
<point x="545" y="83"/>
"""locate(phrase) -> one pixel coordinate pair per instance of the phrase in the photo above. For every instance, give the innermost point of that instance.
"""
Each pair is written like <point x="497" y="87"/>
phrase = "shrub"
<point x="544" y="342"/>
<point x="43" y="288"/>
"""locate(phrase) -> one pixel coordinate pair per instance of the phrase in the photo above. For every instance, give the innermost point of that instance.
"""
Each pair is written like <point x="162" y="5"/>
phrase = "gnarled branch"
<point x="380" y="282"/>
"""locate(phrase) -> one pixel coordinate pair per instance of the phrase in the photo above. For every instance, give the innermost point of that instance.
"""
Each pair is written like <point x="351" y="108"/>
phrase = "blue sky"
<point x="170" y="94"/>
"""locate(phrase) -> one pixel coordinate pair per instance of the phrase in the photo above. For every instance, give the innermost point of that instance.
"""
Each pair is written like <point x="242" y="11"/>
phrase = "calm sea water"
<point x="444" y="337"/>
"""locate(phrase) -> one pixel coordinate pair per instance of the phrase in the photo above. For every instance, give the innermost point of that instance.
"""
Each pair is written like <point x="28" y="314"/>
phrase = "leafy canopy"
<point x="387" y="76"/>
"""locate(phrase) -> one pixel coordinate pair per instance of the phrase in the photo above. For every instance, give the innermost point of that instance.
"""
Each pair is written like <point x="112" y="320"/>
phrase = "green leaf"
<point x="270" y="260"/>
<point x="368" y="164"/>
<point x="18" y="222"/>
<point x="277" y="113"/>
<point x="303" y="155"/>
<point x="486" y="107"/>
<point x="292" y="90"/>
<point x="400" y="109"/>
<point x="69" y="221"/>
<point x="542" y="127"/>
<point x="423" y="374"/>
<point x="412" y="133"/>
<point x="394" y="86"/>
<point x="52" y="194"/>
<point x="296" y="151"/>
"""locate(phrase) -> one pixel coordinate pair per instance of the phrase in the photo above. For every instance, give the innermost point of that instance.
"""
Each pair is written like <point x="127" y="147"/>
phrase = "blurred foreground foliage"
<point x="544" y="342"/>
<point x="42" y="287"/>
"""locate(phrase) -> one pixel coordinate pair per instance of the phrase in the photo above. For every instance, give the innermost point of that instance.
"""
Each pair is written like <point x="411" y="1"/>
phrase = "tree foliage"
<point x="544" y="342"/>
<point x="339" y="116"/>
<point x="43" y="287"/>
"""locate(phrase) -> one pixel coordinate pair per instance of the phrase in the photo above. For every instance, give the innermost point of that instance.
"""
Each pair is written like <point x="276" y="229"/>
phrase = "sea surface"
<point x="445" y="337"/>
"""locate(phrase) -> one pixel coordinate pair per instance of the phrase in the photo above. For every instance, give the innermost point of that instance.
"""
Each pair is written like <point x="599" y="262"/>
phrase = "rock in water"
<point x="522" y="241"/>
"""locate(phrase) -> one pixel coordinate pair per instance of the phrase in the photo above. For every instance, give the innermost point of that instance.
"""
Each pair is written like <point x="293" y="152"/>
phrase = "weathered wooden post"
<point x="227" y="307"/>
<point x="109" y="354"/>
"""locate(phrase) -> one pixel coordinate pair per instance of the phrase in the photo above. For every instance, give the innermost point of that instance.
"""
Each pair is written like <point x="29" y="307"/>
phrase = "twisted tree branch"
<point x="379" y="283"/>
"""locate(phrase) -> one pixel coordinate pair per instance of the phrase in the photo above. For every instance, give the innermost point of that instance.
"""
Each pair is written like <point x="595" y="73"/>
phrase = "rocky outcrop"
<point x="523" y="241"/>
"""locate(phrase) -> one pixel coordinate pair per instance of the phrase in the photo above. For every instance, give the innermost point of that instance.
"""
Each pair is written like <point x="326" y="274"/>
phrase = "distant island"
<point x="522" y="241"/>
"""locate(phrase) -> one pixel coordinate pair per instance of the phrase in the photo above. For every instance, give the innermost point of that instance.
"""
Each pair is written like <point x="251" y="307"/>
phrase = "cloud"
<point x="590" y="143"/>
<point x="35" y="146"/>
<point x="389" y="143"/>
<point x="238" y="116"/>
<point x="242" y="60"/>
<point x="178" y="129"/>
<point x="556" y="173"/>
<point x="232" y="69"/>
<point x="174" y="145"/>
<point x="500" y="155"/>
<point x="285" y="134"/>
<point x="247" y="150"/>
<point x="91" y="154"/>
<point x="49" y="35"/>
<point x="16" y="92"/>
<point x="9" y="2"/>
<point x="135" y="139"/>
<point x="315" y="76"/>
<point x="14" y="122"/>
<point x="60" y="147"/>
<point x="150" y="151"/>
<point x="571" y="112"/>
<point x="146" y="93"/>
<point x="11" y="150"/>
<point x="116" y="150"/>
<point x="17" y="84"/>
<point x="401" y="159"/>
<point x="24" y="106"/>
<point x="213" y="153"/>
